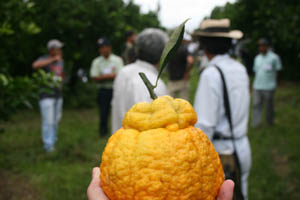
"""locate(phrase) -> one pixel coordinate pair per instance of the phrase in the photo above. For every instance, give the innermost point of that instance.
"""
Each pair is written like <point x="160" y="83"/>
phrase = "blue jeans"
<point x="51" y="111"/>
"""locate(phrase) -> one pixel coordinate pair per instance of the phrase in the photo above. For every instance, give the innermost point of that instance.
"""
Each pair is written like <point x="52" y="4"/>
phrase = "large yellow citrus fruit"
<point x="159" y="154"/>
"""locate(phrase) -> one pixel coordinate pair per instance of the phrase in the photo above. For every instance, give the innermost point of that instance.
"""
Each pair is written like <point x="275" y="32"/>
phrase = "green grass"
<point x="63" y="174"/>
<point x="29" y="173"/>
<point x="275" y="170"/>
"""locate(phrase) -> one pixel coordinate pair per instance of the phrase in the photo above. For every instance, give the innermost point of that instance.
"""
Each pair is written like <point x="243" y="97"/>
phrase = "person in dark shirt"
<point x="129" y="55"/>
<point x="51" y="99"/>
<point x="179" y="70"/>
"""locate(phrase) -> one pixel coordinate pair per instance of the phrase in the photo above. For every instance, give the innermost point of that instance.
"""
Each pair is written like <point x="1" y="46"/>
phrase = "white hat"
<point x="217" y="28"/>
<point x="54" y="43"/>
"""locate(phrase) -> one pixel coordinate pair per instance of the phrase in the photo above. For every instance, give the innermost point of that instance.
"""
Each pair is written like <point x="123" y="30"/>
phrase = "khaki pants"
<point x="179" y="89"/>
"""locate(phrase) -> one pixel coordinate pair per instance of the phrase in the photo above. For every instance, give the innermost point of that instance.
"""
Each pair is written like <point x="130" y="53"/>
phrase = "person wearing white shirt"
<point x="215" y="38"/>
<point x="128" y="88"/>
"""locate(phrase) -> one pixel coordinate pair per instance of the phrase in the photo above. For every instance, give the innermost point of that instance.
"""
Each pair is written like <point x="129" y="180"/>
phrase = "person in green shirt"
<point x="266" y="66"/>
<point x="104" y="69"/>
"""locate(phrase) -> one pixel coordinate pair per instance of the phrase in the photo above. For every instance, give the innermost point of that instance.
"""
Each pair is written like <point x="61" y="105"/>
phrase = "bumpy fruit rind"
<point x="158" y="154"/>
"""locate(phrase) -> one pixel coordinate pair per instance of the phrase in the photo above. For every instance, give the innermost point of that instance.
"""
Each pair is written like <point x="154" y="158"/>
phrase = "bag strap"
<point x="227" y="105"/>
<point x="238" y="193"/>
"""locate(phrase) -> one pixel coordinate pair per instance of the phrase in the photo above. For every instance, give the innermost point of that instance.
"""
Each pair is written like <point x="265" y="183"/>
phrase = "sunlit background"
<point x="173" y="11"/>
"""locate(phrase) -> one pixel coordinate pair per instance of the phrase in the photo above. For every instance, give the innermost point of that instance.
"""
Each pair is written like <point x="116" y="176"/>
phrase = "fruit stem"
<point x="149" y="86"/>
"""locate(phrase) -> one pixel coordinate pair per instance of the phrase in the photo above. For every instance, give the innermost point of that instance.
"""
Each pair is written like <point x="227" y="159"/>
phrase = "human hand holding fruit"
<point x="159" y="154"/>
<point x="95" y="191"/>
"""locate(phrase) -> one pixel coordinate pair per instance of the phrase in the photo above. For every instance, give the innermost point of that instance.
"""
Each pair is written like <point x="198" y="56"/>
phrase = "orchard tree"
<point x="277" y="21"/>
<point x="27" y="25"/>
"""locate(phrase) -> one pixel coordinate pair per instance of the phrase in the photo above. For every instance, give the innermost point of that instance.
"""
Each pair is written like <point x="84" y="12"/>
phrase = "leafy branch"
<point x="168" y="52"/>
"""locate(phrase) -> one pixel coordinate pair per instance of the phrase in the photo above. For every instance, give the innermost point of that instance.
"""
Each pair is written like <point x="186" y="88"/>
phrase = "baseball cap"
<point x="103" y="42"/>
<point x="263" y="41"/>
<point x="129" y="34"/>
<point x="54" y="44"/>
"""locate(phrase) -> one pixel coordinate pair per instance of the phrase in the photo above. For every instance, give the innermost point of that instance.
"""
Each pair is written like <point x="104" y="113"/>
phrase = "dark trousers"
<point x="104" y="99"/>
<point x="261" y="98"/>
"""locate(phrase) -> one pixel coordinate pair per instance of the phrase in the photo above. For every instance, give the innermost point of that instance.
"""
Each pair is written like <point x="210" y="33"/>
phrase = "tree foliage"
<point x="277" y="20"/>
<point x="23" y="91"/>
<point x="27" y="25"/>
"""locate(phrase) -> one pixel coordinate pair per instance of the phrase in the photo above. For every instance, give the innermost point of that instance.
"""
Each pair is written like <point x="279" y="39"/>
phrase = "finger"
<point x="226" y="190"/>
<point x="96" y="175"/>
<point x="96" y="172"/>
<point x="94" y="190"/>
<point x="94" y="186"/>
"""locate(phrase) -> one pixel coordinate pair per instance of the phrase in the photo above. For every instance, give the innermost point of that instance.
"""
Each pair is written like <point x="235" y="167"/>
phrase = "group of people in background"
<point x="120" y="87"/>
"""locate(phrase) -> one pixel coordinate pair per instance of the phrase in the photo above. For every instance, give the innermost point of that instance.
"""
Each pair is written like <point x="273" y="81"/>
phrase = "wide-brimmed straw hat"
<point x="217" y="28"/>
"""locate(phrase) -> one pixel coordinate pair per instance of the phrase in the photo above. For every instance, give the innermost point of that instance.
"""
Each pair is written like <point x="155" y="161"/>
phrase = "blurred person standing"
<point x="266" y="66"/>
<point x="179" y="69"/>
<point x="129" y="88"/>
<point x="104" y="69"/>
<point x="242" y="53"/>
<point x="129" y="54"/>
<point x="203" y="61"/>
<point x="51" y="101"/>
<point x="222" y="101"/>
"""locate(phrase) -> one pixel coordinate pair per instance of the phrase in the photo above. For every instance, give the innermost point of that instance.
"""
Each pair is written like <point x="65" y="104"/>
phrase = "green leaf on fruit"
<point x="171" y="47"/>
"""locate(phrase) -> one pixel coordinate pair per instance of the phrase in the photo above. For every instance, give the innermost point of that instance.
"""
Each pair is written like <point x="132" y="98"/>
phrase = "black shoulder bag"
<point x="230" y="162"/>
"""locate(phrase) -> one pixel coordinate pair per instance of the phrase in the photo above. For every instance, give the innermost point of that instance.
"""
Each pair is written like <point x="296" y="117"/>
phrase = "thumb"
<point x="96" y="174"/>
<point x="94" y="191"/>
<point x="226" y="190"/>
